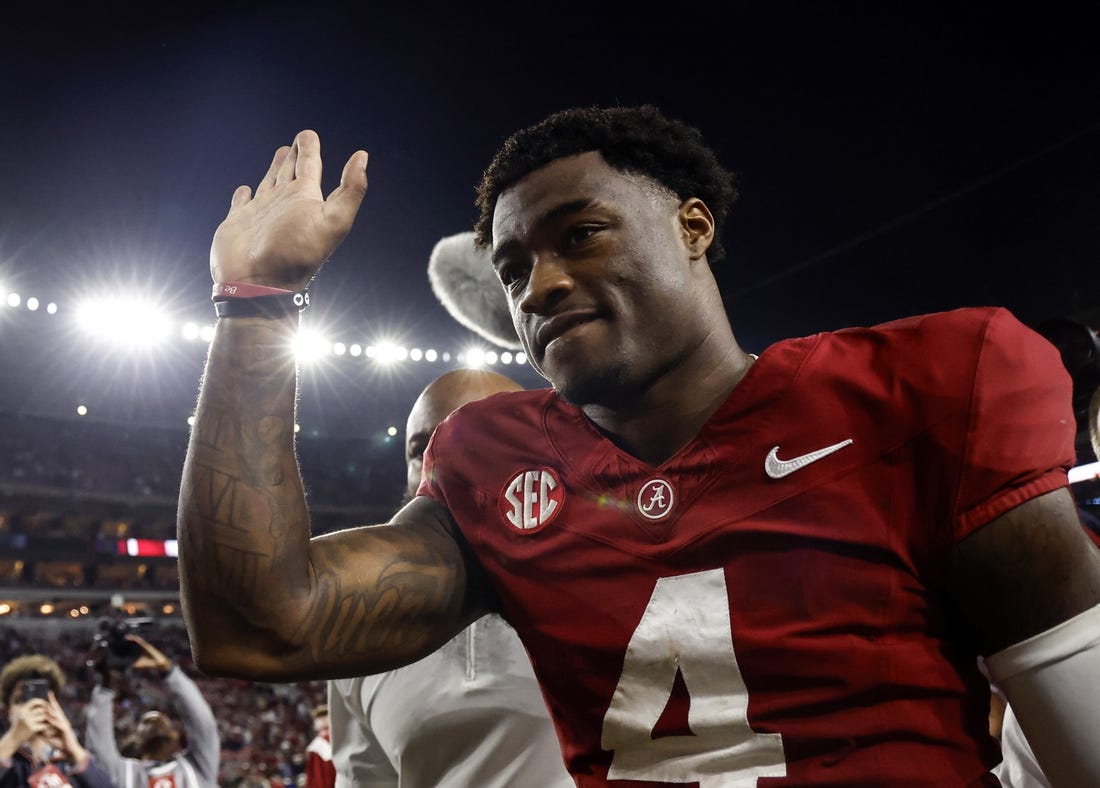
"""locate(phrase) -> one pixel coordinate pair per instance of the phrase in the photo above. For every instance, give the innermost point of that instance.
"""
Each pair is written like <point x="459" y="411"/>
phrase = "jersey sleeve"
<point x="1020" y="430"/>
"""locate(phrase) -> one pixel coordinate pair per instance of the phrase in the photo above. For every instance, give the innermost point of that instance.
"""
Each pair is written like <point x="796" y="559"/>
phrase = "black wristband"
<point x="269" y="306"/>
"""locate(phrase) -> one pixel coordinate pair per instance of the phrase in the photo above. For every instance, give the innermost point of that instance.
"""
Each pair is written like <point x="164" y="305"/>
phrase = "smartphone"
<point x="36" y="688"/>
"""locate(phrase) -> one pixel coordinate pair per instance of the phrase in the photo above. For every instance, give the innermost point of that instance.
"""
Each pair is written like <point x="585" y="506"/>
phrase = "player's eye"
<point x="579" y="233"/>
<point x="510" y="274"/>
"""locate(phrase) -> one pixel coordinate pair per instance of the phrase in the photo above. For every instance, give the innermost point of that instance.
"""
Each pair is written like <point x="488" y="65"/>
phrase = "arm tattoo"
<point x="246" y="559"/>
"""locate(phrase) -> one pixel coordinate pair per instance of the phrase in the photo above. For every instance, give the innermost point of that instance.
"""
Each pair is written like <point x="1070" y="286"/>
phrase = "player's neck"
<point x="670" y="413"/>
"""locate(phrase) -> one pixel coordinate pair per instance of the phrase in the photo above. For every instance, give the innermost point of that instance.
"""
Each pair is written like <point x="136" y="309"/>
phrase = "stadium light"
<point x="490" y="357"/>
<point x="356" y="350"/>
<point x="81" y="410"/>
<point x="32" y="304"/>
<point x="14" y="300"/>
<point x="430" y="355"/>
<point x="309" y="346"/>
<point x="391" y="431"/>
<point x="521" y="358"/>
<point x="505" y="357"/>
<point x="190" y="331"/>
<point x="206" y="334"/>
<point x="474" y="357"/>
<point x="387" y="352"/>
<point x="416" y="354"/>
<point x="123" y="320"/>
<point x="51" y="308"/>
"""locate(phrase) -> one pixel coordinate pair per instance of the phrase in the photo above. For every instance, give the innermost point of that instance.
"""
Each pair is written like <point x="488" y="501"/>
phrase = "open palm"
<point x="281" y="235"/>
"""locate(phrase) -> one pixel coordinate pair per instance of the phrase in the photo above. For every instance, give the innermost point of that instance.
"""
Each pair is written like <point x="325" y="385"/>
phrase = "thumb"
<point x="343" y="203"/>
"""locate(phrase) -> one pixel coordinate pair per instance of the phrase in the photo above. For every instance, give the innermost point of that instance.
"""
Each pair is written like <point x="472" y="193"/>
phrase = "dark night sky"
<point x="890" y="161"/>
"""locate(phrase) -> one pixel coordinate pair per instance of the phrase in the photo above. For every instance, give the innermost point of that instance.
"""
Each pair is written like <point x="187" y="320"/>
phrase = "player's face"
<point x="597" y="269"/>
<point x="155" y="726"/>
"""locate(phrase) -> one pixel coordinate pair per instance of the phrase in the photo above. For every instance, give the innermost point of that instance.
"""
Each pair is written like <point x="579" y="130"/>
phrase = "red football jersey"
<point x="767" y="604"/>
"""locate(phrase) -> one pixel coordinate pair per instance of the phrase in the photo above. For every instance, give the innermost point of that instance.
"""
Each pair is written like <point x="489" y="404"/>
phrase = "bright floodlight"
<point x="475" y="357"/>
<point x="206" y="333"/>
<point x="446" y="357"/>
<point x="123" y="320"/>
<point x="32" y="304"/>
<point x="430" y="355"/>
<point x="416" y="354"/>
<point x="391" y="431"/>
<point x="388" y="353"/>
<point x="191" y="420"/>
<point x="14" y="299"/>
<point x="505" y="357"/>
<point x="339" y="348"/>
<point x="521" y="358"/>
<point x="356" y="350"/>
<point x="51" y="308"/>
<point x="310" y="346"/>
<point x="81" y="410"/>
<point x="490" y="357"/>
<point x="190" y="331"/>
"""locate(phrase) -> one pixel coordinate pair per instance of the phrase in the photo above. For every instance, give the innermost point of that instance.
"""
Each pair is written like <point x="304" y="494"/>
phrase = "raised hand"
<point x="152" y="659"/>
<point x="61" y="735"/>
<point x="28" y="720"/>
<point x="281" y="235"/>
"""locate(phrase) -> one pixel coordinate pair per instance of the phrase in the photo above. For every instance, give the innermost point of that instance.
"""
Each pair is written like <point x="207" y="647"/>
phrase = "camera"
<point x="119" y="652"/>
<point x="34" y="688"/>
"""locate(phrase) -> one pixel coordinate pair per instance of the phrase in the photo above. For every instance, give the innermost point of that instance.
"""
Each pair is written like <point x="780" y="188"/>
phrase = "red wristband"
<point x="226" y="290"/>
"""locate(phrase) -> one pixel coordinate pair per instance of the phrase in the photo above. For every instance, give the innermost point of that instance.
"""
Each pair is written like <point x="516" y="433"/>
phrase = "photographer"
<point x="40" y="748"/>
<point x="160" y="761"/>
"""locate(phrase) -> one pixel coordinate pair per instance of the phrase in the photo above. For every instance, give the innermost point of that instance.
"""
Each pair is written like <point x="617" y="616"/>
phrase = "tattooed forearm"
<point x="241" y="523"/>
<point x="257" y="590"/>
<point x="401" y="600"/>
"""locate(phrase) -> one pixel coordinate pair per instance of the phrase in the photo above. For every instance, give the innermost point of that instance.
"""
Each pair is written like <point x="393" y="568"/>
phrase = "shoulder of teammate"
<point x="467" y="437"/>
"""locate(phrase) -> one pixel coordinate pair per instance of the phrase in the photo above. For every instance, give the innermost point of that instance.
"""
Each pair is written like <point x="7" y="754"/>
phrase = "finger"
<point x="273" y="171"/>
<point x="286" y="169"/>
<point x="342" y="205"/>
<point x="309" y="156"/>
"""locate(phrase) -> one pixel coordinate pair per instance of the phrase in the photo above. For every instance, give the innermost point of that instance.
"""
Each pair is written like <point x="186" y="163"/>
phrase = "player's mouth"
<point x="561" y="325"/>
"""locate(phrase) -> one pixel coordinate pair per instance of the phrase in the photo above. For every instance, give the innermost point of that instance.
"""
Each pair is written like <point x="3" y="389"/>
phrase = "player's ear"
<point x="696" y="226"/>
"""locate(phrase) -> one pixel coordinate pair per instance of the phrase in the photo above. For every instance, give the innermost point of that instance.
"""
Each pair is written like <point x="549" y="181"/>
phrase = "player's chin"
<point x="589" y="384"/>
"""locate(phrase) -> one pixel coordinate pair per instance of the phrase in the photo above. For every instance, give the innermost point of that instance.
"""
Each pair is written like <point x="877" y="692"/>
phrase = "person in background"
<point x="156" y="737"/>
<point x="40" y="748"/>
<point x="320" y="771"/>
<point x="469" y="714"/>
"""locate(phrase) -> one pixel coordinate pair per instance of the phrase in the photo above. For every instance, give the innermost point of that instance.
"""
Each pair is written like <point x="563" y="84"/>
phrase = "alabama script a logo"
<point x="531" y="499"/>
<point x="656" y="499"/>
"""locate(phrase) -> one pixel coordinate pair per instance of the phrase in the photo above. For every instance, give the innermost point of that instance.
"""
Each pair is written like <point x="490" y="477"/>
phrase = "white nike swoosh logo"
<point x="777" y="468"/>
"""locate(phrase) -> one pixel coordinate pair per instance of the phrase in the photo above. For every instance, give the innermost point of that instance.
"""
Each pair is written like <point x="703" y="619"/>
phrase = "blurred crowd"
<point x="264" y="728"/>
<point x="143" y="464"/>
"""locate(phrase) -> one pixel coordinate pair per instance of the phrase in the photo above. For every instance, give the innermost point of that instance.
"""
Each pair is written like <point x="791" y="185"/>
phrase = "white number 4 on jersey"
<point x="686" y="625"/>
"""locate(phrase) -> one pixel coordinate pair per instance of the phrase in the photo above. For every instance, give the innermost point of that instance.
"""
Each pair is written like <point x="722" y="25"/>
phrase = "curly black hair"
<point x="637" y="140"/>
